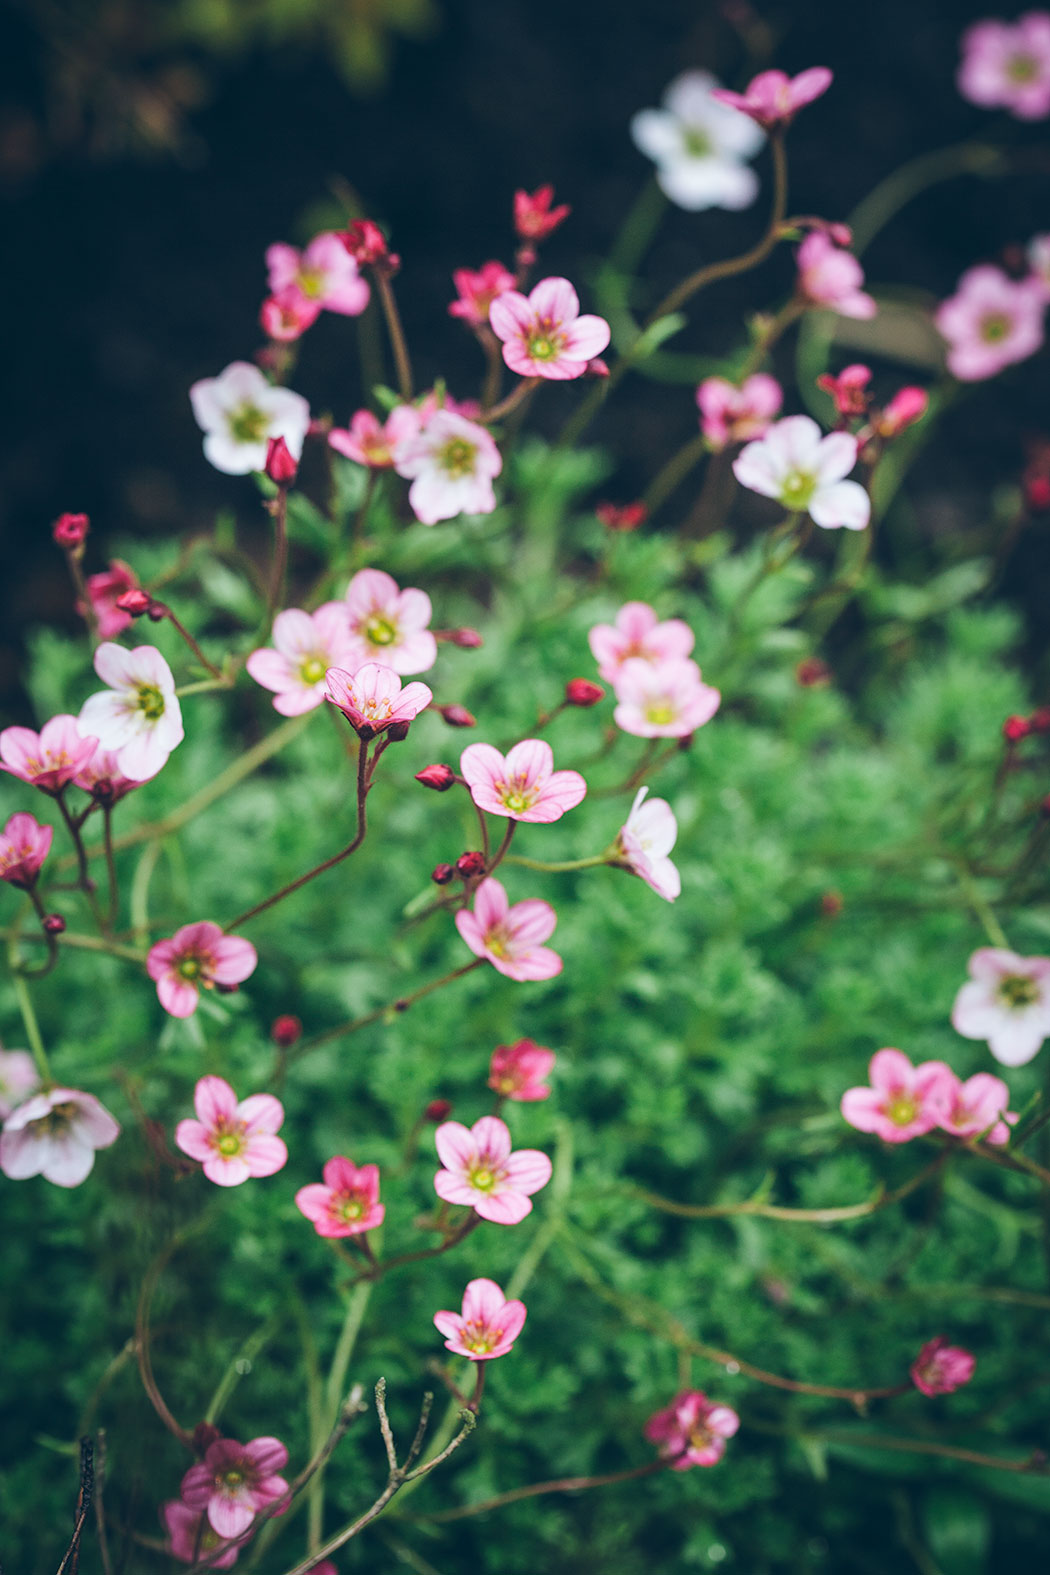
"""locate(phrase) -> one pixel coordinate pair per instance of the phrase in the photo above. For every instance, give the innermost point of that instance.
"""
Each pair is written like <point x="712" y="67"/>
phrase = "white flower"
<point x="239" y="411"/>
<point x="1007" y="1003"/>
<point x="55" y="1135"/>
<point x="644" y="842"/>
<point x="803" y="470"/>
<point x="138" y="716"/>
<point x="698" y="146"/>
<point x="451" y="462"/>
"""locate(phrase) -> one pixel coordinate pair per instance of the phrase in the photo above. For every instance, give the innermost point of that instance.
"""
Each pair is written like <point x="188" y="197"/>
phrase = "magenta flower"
<point x="543" y="334"/>
<point x="476" y="291"/>
<point x="800" y="467"/>
<point x="368" y="441"/>
<point x="644" y="843"/>
<point x="482" y="1172"/>
<point x="1007" y="65"/>
<point x="488" y="1325"/>
<point x="451" y="462"/>
<point x="347" y="1204"/>
<point x="831" y="277"/>
<point x="138" y="716"/>
<point x="510" y="937"/>
<point x="907" y="406"/>
<point x="522" y="785"/>
<point x="990" y="322"/>
<point x="517" y="1071"/>
<point x="388" y="625"/>
<point x="736" y="415"/>
<point x="534" y="218"/>
<point x="849" y="389"/>
<point x="191" y="1539"/>
<point x="233" y="1141"/>
<point x="48" y="759"/>
<point x="103" y="778"/>
<point x="372" y="699"/>
<point x="692" y="1430"/>
<point x="976" y="1107"/>
<point x="103" y="590"/>
<point x="903" y="1102"/>
<point x="1007" y="1003"/>
<point x="669" y="700"/>
<point x="941" y="1368"/>
<point x="24" y="846"/>
<point x="197" y="957"/>
<point x="773" y="98"/>
<point x="638" y="632"/>
<point x="18" y="1079"/>
<point x="307" y="645"/>
<point x="235" y="1481"/>
<point x="324" y="274"/>
<point x="54" y="1134"/>
<point x="287" y="314"/>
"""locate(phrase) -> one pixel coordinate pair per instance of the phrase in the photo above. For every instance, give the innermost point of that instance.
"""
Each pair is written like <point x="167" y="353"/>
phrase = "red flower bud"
<point x="397" y="732"/>
<point x="53" y="923"/>
<point x="458" y="716"/>
<point x="841" y="234"/>
<point x="469" y="639"/>
<point x="1015" y="728"/>
<point x="366" y="243"/>
<point x="285" y="1030"/>
<point x="813" y="673"/>
<point x="442" y="874"/>
<point x="204" y="1435"/>
<point x="438" y="777"/>
<point x="832" y="904"/>
<point x="622" y="516"/>
<point x="136" y="602"/>
<point x="280" y="466"/>
<point x="470" y="864"/>
<point x="437" y="1110"/>
<point x="1037" y="493"/>
<point x="1044" y="808"/>
<point x="596" y="367"/>
<point x="1040" y="720"/>
<point x="70" y="530"/>
<point x="583" y="692"/>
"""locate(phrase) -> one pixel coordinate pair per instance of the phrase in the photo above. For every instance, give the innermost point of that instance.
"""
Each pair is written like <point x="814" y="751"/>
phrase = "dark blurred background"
<point x="150" y="151"/>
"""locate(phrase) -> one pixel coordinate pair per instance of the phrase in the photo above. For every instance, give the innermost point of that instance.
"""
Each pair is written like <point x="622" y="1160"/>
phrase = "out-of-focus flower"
<point x="369" y="441"/>
<point x="373" y="700"/>
<point x="197" y="957"/>
<point x="451" y="463"/>
<point x="103" y="590"/>
<point x="522" y="785"/>
<point x="70" y="530"/>
<point x="54" y="1134"/>
<point x="773" y="98"/>
<point x="367" y="244"/>
<point x="804" y="470"/>
<point x="235" y="1481"/>
<point x="534" y="218"/>
<point x="18" y="1079"/>
<point x="482" y="1172"/>
<point x="990" y="322"/>
<point x="644" y="842"/>
<point x="239" y="411"/>
<point x="1007" y="65"/>
<point x="977" y="1106"/>
<point x="510" y="938"/>
<point x="1037" y="255"/>
<point x="388" y="625"/>
<point x="692" y="1430"/>
<point x="307" y="645"/>
<point x="699" y="145"/>
<point x="543" y="333"/>
<point x="324" y="274"/>
<point x="192" y="1540"/>
<point x="287" y="314"/>
<point x="103" y="778"/>
<point x="233" y="1140"/>
<point x="663" y="700"/>
<point x="903" y="1102"/>
<point x="831" y="277"/>
<point x="736" y="415"/>
<point x="940" y="1368"/>
<point x="48" y="759"/>
<point x="24" y="845"/>
<point x="849" y="389"/>
<point x="476" y="291"/>
<point x="488" y="1325"/>
<point x="1006" y="1002"/>
<point x="622" y="516"/>
<point x="347" y="1203"/>
<point x="907" y="406"/>
<point x="517" y="1071"/>
<point x="638" y="633"/>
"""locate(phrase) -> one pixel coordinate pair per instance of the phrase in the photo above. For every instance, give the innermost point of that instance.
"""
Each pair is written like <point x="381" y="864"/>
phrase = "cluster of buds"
<point x="137" y="602"/>
<point x="1017" y="727"/>
<point x="853" y="401"/>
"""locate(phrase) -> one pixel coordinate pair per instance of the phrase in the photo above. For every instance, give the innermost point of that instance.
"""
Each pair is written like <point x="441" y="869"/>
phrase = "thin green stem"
<point x="357" y="1304"/>
<point x="280" y="552"/>
<point x="240" y="1365"/>
<point x="772" y="1211"/>
<point x="560" y="868"/>
<point x="516" y="397"/>
<point x="180" y="629"/>
<point x="400" y="1005"/>
<point x="32" y="1027"/>
<point x="990" y="924"/>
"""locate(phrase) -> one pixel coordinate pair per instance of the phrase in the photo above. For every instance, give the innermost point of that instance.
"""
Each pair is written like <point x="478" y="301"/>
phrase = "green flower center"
<point x="457" y="457"/>
<point x="233" y="1479"/>
<point x="311" y="283"/>
<point x="994" y="328"/>
<point x="189" y="968"/>
<point x="380" y="631"/>
<point x="1018" y="991"/>
<point x="312" y="670"/>
<point x="542" y="347"/>
<point x="482" y="1178"/>
<point x="149" y="701"/>
<point x="248" y="424"/>
<point x="797" y="489"/>
<point x="902" y="1109"/>
<point x="696" y="143"/>
<point x="349" y="1209"/>
<point x="229" y="1145"/>
<point x="1022" y="68"/>
<point x="660" y="713"/>
<point x="479" y="1339"/>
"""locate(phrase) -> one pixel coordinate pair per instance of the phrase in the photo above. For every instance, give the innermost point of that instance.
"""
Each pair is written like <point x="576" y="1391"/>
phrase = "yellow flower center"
<point x="479" y="1338"/>
<point x="229" y="1141"/>
<point x="248" y="424"/>
<point x="994" y="328"/>
<point x="312" y="670"/>
<point x="457" y="457"/>
<point x="660" y="713"/>
<point x="516" y="796"/>
<point x="311" y="283"/>
<point x="1018" y="991"/>
<point x="349" y="1209"/>
<point x="380" y="631"/>
<point x="149" y="701"/>
<point x="902" y="1109"/>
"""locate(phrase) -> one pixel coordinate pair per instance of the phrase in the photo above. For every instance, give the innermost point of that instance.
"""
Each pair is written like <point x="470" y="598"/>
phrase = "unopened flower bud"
<point x="397" y="732"/>
<point x="841" y="234"/>
<point x="156" y="611"/>
<point x="53" y="923"/>
<point x="469" y="639"/>
<point x="439" y="777"/>
<point x="136" y="602"/>
<point x="813" y="673"/>
<point x="596" y="367"/>
<point x="365" y="242"/>
<point x="441" y="874"/>
<point x="70" y="530"/>
<point x="470" y="864"/>
<point x="907" y="406"/>
<point x="1037" y="493"/>
<point x="458" y="716"/>
<point x="437" y="1110"/>
<point x="280" y="466"/>
<point x="1040" y="720"/>
<point x="831" y="904"/>
<point x="621" y="516"/>
<point x="1015" y="728"/>
<point x="285" y="1030"/>
<point x="583" y="692"/>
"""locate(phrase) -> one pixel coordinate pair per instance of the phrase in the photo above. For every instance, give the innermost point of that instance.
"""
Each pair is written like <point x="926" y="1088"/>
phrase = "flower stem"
<point x="355" y="1312"/>
<point x="512" y="401"/>
<point x="535" y="1489"/>
<point x="400" y="1005"/>
<point x="181" y="629"/>
<point x="32" y="1027"/>
<point x="385" y="292"/>
<point x="561" y="868"/>
<point x="280" y="552"/>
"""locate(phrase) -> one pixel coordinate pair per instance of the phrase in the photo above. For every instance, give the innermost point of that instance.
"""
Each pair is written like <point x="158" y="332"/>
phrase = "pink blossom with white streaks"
<point x="692" y="1430"/>
<point x="1006" y="65"/>
<point x="482" y="1172"/>
<point x="510" y="938"/>
<point x="976" y="1108"/>
<point x="48" y="759"/>
<point x="388" y="625"/>
<point x="903" y="1102"/>
<point x="369" y="441"/>
<point x="831" y="277"/>
<point x="18" y="1079"/>
<point x="990" y="322"/>
<point x="663" y="699"/>
<point x="451" y="463"/>
<point x="543" y="334"/>
<point x="488" y="1325"/>
<point x="307" y="645"/>
<point x="55" y="1134"/>
<point x="192" y="1540"/>
<point x="138" y="716"/>
<point x="1006" y="1002"/>
<point x="197" y="957"/>
<point x="773" y="98"/>
<point x="522" y="785"/>
<point x="235" y="1481"/>
<point x="729" y="414"/>
<point x="346" y="1203"/>
<point x="476" y="291"/>
<point x="323" y="274"/>
<point x="804" y="470"/>
<point x="644" y="842"/>
<point x="232" y="1140"/>
<point x="940" y="1368"/>
<point x="518" y="1071"/>
<point x="639" y="633"/>
<point x="24" y="845"/>
<point x="372" y="699"/>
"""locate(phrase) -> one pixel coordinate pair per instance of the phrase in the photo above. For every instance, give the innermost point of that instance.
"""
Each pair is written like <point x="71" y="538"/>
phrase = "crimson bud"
<point x="469" y="864"/>
<point x="285" y="1030"/>
<point x="280" y="466"/>
<point x="458" y="716"/>
<point x="69" y="530"/>
<point x="437" y="1110"/>
<point x="136" y="602"/>
<point x="53" y="923"/>
<point x="439" y="777"/>
<point x="1016" y="728"/>
<point x="442" y="874"/>
<point x="583" y="692"/>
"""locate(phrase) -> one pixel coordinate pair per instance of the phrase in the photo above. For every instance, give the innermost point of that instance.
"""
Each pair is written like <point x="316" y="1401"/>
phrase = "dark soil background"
<point x="128" y="274"/>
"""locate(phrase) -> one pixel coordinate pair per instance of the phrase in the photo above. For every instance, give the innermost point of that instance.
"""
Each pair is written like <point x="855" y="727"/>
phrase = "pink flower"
<point x="976" y="1107"/>
<point x="831" y="277"/>
<point x="1007" y="1002"/>
<point x="54" y="1134"/>
<point x="368" y="441"/>
<point x="18" y="1079"/>
<point x="644" y="842"/>
<point x="308" y="644"/>
<point x="1007" y="65"/>
<point x="510" y="937"/>
<point x="1037" y="254"/>
<point x="235" y="1481"/>
<point x="239" y="411"/>
<point x="544" y="335"/>
<point x="903" y="1102"/>
<point x="138" y="716"/>
<point x="348" y="1202"/>
<point x="24" y="845"/>
<point x="324" y="275"/>
<point x="103" y="778"/>
<point x="372" y="699"/>
<point x="287" y="314"/>
<point x="849" y="390"/>
<point x="692" y="1430"/>
<point x="48" y="759"/>
<point x="803" y="470"/>
<point x="668" y="700"/>
<point x="451" y="462"/>
<point x="638" y="632"/>
<point x="517" y="1071"/>
<point x="940" y="1368"/>
<point x="103" y="590"/>
<point x="191" y="1539"/>
<point x="477" y="291"/>
<point x="734" y="415"/>
<point x="388" y="625"/>
<point x="907" y="406"/>
<point x="482" y="1172"/>
<point x="523" y="785"/>
<point x="990" y="322"/>
<point x="772" y="98"/>
<point x="197" y="957"/>
<point x="488" y="1325"/>
<point x="233" y="1141"/>
<point x="534" y="218"/>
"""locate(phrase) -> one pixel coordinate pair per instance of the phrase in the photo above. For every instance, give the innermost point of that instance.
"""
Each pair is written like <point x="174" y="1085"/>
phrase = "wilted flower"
<point x="103" y="590"/>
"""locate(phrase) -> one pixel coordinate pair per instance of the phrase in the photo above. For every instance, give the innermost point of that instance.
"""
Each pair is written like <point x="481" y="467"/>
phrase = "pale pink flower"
<point x="388" y="625"/>
<point x="347" y="1204"/>
<point x="773" y="98"/>
<point x="103" y="590"/>
<point x="476" y="291"/>
<point x="307" y="645"/>
<point x="804" y="471"/>
<point x="197" y="957"/>
<point x="192" y="1540"/>
<point x="735" y="415"/>
<point x="48" y="759"/>
<point x="1007" y="1003"/>
<point x="287" y="314"/>
<point x="663" y="700"/>
<point x="54" y="1134"/>
<point x="692" y="1430"/>
<point x="644" y="842"/>
<point x="940" y="1368"/>
<point x="698" y="146"/>
<point x="451" y="462"/>
<point x="522" y="785"/>
<point x="638" y="632"/>
<point x="103" y="778"/>
<point x="138" y="716"/>
<point x="517" y="1071"/>
<point x="977" y="1107"/>
<point x="488" y="1325"/>
<point x="235" y="1481"/>
<point x="481" y="1172"/>
<point x="510" y="937"/>
<point x="233" y="1141"/>
<point x="543" y="334"/>
<point x="18" y="1079"/>
<point x="324" y="274"/>
<point x="1007" y="65"/>
<point x="239" y="411"/>
<point x="372" y="699"/>
<point x="831" y="277"/>
<point x="24" y="845"/>
<point x="903" y="1102"/>
<point x="990" y="322"/>
<point x="1037" y="254"/>
<point x="369" y="441"/>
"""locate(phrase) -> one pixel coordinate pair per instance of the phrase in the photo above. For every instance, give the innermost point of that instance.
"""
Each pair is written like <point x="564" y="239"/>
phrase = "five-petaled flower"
<point x="1006" y="1002"/>
<point x="324" y="275"/>
<point x="804" y="471"/>
<point x="54" y="1134"/>
<point x="239" y="411"/>
<point x="543" y="333"/>
<point x="990" y="322"/>
<point x="388" y="625"/>
<point x="644" y="842"/>
<point x="517" y="1071"/>
<point x="138" y="716"/>
<point x="523" y="785"/>
<point x="451" y="462"/>
<point x="235" y="1481"/>
<point x="698" y="146"/>
<point x="197" y="957"/>
<point x="692" y="1430"/>
<point x="663" y="699"/>
<point x="940" y="1368"/>
<point x="24" y="845"/>
<point x="307" y="645"/>
<point x="372" y="699"/>
<point x="1007" y="65"/>
<point x="346" y="1203"/>
<point x="903" y="1102"/>
<point x="233" y="1140"/>
<point x="482" y="1172"/>
<point x="48" y="759"/>
<point x="773" y="98"/>
<point x="369" y="441"/>
<point x="488" y="1325"/>
<point x="510" y="938"/>
<point x="476" y="291"/>
<point x="639" y="633"/>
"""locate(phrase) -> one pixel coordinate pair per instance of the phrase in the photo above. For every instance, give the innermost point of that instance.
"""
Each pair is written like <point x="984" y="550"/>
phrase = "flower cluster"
<point x="659" y="689"/>
<point x="906" y="1101"/>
